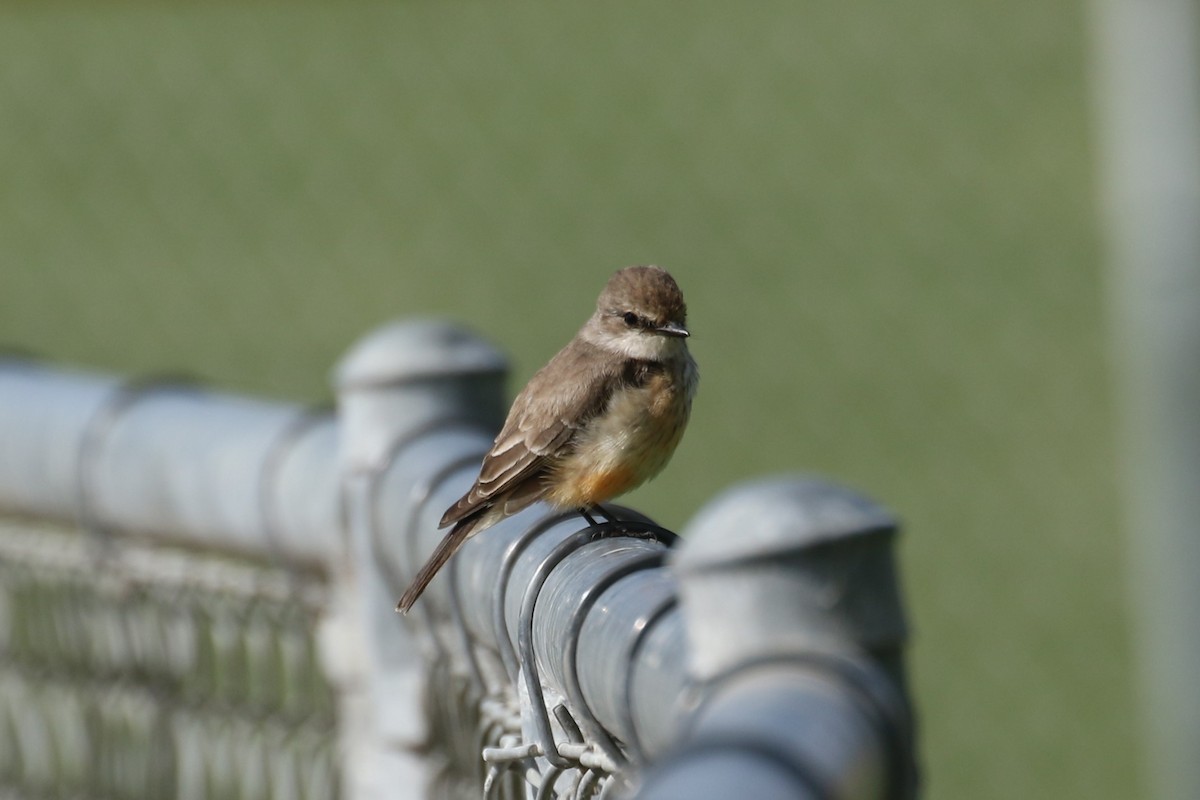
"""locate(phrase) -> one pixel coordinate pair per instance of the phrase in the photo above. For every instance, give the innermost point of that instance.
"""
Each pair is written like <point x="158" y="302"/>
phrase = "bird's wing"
<point x="558" y="402"/>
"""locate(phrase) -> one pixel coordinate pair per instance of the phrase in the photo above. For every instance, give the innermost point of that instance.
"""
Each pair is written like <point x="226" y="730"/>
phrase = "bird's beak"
<point x="673" y="329"/>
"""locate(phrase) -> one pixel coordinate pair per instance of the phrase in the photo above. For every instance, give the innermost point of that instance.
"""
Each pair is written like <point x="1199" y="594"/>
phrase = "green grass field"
<point x="882" y="216"/>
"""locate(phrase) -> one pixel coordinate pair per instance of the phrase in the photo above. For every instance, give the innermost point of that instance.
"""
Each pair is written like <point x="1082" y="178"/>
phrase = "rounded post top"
<point x="773" y="517"/>
<point x="414" y="350"/>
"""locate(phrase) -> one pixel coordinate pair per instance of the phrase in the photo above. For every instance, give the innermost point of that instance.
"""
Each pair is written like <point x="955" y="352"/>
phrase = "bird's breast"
<point x="627" y="444"/>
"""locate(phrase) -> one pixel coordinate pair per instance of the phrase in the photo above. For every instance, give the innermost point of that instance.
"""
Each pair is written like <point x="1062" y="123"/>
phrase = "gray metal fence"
<point x="197" y="602"/>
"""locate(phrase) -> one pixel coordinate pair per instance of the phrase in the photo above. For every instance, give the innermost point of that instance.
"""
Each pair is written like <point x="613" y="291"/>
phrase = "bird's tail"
<point x="449" y="545"/>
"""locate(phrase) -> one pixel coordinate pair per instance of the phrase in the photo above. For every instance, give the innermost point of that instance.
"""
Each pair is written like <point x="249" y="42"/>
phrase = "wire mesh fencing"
<point x="198" y="592"/>
<point x="144" y="672"/>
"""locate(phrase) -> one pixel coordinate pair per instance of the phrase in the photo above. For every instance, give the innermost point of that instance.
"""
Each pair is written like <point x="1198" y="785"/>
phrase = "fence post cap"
<point x="772" y="517"/>
<point x="416" y="349"/>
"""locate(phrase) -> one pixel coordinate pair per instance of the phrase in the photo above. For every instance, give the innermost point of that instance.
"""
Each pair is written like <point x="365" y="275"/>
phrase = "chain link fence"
<point x="135" y="671"/>
<point x="183" y="642"/>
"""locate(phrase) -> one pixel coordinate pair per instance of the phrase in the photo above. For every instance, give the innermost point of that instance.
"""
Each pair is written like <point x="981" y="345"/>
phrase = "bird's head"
<point x="640" y="314"/>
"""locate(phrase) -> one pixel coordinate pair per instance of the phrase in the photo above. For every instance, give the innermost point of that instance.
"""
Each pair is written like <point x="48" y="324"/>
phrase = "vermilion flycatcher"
<point x="601" y="418"/>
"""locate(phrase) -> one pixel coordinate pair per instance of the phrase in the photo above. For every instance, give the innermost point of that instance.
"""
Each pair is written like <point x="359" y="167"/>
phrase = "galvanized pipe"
<point x="794" y="621"/>
<point x="783" y="731"/>
<point x="400" y="383"/>
<point x="611" y="645"/>
<point x="169" y="460"/>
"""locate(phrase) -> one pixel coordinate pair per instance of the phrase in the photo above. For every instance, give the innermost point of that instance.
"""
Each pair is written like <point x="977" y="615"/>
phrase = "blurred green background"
<point x="882" y="216"/>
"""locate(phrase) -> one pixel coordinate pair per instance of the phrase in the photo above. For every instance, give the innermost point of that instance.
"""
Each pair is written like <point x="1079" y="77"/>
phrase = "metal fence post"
<point x="795" y="623"/>
<point x="400" y="381"/>
<point x="1147" y="100"/>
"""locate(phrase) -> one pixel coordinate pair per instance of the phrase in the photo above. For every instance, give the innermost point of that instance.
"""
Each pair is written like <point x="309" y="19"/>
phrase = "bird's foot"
<point x="598" y="511"/>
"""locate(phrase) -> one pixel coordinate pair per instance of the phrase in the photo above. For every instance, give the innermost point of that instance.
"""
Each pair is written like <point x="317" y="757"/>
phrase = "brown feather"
<point x="446" y="548"/>
<point x="544" y="419"/>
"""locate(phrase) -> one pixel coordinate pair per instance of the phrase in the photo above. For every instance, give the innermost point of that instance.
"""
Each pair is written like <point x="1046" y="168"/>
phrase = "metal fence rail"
<point x="763" y="657"/>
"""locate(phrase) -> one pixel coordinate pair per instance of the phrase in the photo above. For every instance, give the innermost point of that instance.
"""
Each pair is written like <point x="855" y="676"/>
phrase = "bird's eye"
<point x="631" y="319"/>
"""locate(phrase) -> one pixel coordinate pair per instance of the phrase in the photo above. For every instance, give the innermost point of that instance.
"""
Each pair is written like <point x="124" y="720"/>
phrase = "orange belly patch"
<point x="586" y="488"/>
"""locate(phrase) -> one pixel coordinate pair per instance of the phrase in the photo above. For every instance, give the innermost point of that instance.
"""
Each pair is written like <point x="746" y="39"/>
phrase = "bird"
<point x="602" y="417"/>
